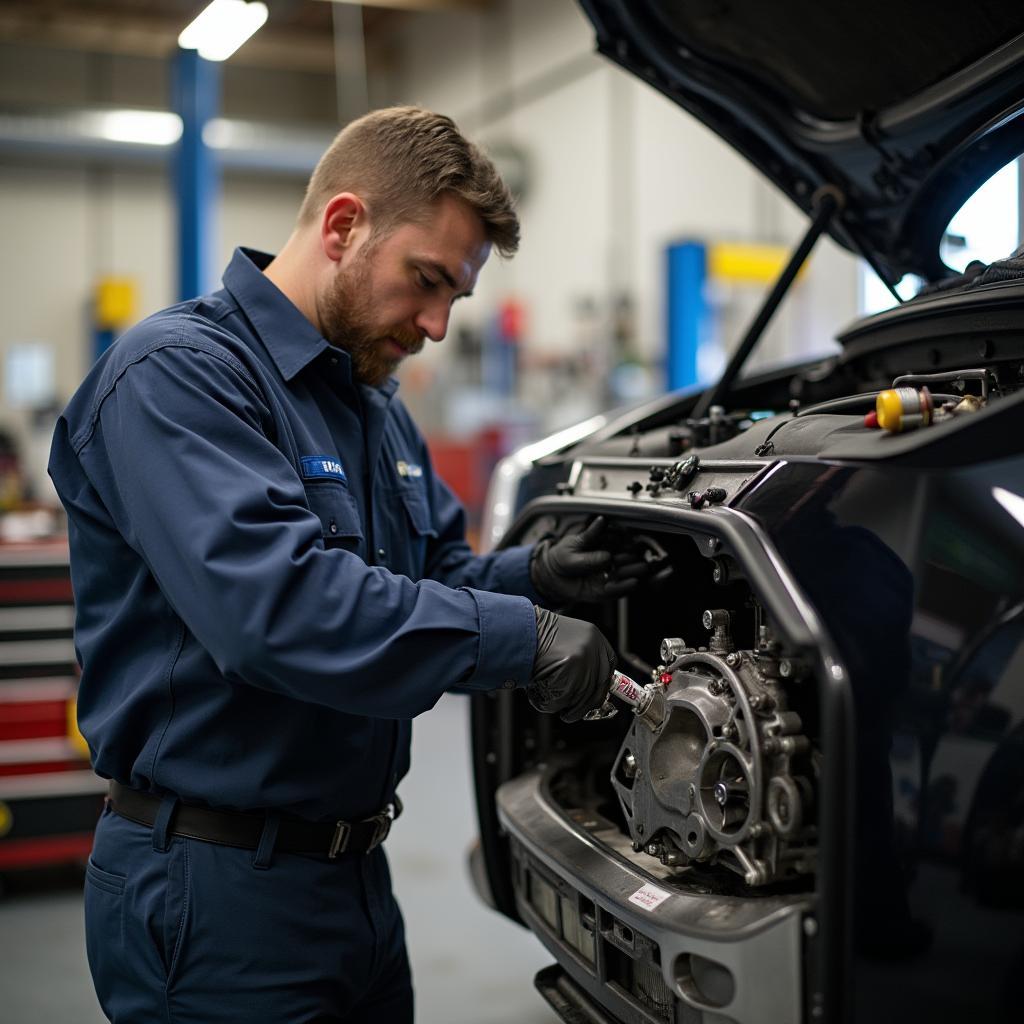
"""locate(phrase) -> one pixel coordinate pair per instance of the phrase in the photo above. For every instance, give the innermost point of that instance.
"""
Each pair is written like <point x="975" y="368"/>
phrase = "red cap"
<point x="871" y="420"/>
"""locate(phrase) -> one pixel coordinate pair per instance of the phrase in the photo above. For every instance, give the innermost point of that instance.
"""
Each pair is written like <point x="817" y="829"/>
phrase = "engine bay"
<point x="711" y="776"/>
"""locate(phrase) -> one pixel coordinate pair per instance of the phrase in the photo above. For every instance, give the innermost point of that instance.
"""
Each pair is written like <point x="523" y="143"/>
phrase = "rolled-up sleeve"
<point x="178" y="449"/>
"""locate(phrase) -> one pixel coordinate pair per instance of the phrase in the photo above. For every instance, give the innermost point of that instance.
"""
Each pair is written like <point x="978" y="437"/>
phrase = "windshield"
<point x="988" y="226"/>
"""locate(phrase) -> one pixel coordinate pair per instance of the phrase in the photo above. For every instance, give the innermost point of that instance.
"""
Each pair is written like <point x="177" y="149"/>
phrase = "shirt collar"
<point x="292" y="341"/>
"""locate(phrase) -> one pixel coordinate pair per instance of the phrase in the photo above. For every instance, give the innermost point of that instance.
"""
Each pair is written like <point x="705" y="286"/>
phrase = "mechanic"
<point x="271" y="582"/>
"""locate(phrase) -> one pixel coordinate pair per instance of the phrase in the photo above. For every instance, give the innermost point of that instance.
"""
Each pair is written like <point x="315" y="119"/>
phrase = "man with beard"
<point x="271" y="582"/>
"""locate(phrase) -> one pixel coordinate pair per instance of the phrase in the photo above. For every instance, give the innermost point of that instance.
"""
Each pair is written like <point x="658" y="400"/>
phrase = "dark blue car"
<point x="816" y="810"/>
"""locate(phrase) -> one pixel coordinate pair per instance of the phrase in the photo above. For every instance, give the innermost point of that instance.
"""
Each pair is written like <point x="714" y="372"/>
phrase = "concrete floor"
<point x="470" y="965"/>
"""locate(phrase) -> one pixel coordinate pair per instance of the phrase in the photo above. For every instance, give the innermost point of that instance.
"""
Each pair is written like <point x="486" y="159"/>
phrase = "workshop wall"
<point x="611" y="174"/>
<point x="66" y="227"/>
<point x="68" y="222"/>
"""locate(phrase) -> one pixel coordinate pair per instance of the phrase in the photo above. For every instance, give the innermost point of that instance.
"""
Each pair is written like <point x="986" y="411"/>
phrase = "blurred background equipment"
<point x="49" y="797"/>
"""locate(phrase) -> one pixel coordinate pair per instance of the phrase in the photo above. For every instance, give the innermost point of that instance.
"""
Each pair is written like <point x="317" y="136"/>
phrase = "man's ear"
<point x="344" y="222"/>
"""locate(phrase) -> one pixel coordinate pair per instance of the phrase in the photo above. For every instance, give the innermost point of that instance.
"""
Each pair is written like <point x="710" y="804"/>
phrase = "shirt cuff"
<point x="508" y="641"/>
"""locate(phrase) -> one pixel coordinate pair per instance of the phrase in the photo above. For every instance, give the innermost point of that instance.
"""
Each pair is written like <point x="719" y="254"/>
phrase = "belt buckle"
<point x="382" y="828"/>
<point x="340" y="839"/>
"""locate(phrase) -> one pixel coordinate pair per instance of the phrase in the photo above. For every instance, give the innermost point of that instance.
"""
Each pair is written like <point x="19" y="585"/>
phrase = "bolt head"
<point x="785" y="668"/>
<point x="732" y="659"/>
<point x="706" y="620"/>
<point x="652" y="849"/>
<point x="671" y="648"/>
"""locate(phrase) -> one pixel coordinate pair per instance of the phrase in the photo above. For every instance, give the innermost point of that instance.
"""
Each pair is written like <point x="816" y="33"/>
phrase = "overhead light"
<point x="147" y="127"/>
<point x="221" y="28"/>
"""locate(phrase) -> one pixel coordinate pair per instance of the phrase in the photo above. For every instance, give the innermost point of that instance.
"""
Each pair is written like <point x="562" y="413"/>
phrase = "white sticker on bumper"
<point x="649" y="897"/>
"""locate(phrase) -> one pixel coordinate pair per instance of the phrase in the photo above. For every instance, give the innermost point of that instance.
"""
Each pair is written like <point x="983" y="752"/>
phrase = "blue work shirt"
<point x="270" y="581"/>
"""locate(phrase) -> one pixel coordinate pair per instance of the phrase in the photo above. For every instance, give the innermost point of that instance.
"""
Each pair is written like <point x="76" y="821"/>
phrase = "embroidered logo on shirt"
<point x="408" y="469"/>
<point x="322" y="465"/>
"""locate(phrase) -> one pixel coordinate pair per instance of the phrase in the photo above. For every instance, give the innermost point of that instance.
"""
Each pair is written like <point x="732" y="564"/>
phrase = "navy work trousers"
<point x="180" y="930"/>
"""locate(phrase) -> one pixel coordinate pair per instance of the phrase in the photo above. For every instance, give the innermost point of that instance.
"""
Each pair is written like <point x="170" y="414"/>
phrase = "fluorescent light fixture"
<point x="1013" y="503"/>
<point x="148" y="127"/>
<point x="221" y="28"/>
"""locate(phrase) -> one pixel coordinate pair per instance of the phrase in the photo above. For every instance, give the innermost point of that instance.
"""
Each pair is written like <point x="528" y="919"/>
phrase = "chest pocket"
<point x="336" y="509"/>
<point x="410" y="528"/>
<point x="416" y="509"/>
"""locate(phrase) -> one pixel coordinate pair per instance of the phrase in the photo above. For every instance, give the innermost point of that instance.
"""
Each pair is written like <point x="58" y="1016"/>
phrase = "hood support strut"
<point x="827" y="201"/>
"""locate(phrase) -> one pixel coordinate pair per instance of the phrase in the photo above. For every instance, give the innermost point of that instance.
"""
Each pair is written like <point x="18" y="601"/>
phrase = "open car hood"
<point x="905" y="109"/>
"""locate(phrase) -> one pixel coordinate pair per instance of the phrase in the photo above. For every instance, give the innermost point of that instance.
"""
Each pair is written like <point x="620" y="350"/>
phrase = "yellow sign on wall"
<point x="116" y="302"/>
<point x="746" y="262"/>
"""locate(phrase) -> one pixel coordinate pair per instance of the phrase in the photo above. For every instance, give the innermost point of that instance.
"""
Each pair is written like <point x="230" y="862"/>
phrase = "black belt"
<point x="235" y="828"/>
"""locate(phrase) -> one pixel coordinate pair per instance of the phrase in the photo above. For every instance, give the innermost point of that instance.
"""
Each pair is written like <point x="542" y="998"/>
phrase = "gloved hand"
<point x="572" y="670"/>
<point x="581" y="566"/>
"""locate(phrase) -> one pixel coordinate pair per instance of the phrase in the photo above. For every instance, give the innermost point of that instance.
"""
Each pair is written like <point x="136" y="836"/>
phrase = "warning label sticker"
<point x="649" y="897"/>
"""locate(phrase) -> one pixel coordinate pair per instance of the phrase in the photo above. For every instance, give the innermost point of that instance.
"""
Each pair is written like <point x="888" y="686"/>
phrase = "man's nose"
<point x="433" y="320"/>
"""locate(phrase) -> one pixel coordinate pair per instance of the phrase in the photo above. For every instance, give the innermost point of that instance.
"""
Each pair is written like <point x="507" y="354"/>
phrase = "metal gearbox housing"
<point x="718" y="771"/>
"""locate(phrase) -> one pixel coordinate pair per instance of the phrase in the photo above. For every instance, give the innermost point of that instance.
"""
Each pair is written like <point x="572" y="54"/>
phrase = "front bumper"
<point x="639" y="952"/>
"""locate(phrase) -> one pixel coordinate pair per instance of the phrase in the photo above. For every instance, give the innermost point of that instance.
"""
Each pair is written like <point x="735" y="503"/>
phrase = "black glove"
<point x="582" y="566"/>
<point x="572" y="671"/>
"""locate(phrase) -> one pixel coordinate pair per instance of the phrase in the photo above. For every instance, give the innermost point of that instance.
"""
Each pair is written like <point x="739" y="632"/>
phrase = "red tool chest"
<point x="49" y="797"/>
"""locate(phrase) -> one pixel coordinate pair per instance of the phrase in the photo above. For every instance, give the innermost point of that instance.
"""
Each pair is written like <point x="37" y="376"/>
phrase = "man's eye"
<point x="425" y="281"/>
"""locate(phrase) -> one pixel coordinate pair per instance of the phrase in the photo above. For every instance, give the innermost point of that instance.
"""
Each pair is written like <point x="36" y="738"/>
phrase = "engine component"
<point x="722" y="773"/>
<point x="710" y="496"/>
<point x="957" y="377"/>
<point x="676" y="477"/>
<point x="967" y="404"/>
<point x="901" y="409"/>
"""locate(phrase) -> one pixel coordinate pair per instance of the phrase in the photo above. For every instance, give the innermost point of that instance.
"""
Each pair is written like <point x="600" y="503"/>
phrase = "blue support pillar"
<point x="687" y="311"/>
<point x="196" y="172"/>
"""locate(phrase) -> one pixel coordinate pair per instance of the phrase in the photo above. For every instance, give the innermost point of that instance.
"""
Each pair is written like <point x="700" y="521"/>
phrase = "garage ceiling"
<point x="299" y="34"/>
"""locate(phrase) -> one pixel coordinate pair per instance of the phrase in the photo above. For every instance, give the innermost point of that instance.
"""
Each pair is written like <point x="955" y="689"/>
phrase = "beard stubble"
<point x="346" y="319"/>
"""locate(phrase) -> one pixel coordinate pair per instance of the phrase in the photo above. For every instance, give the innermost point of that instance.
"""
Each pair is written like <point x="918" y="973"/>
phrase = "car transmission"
<point x="716" y="768"/>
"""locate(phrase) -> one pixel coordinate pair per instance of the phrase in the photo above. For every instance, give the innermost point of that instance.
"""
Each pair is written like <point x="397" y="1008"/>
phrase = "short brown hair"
<point x="400" y="160"/>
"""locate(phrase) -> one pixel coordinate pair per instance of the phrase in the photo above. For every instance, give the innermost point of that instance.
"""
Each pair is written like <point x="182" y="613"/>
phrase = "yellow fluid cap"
<point x="889" y="407"/>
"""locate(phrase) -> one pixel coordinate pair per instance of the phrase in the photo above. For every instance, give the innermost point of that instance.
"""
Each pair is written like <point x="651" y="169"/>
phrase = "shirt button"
<point x="333" y="527"/>
<point x="334" y="360"/>
<point x="381" y="553"/>
<point x="509" y="684"/>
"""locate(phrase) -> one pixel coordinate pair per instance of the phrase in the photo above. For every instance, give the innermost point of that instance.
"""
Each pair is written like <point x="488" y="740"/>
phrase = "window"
<point x="987" y="227"/>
